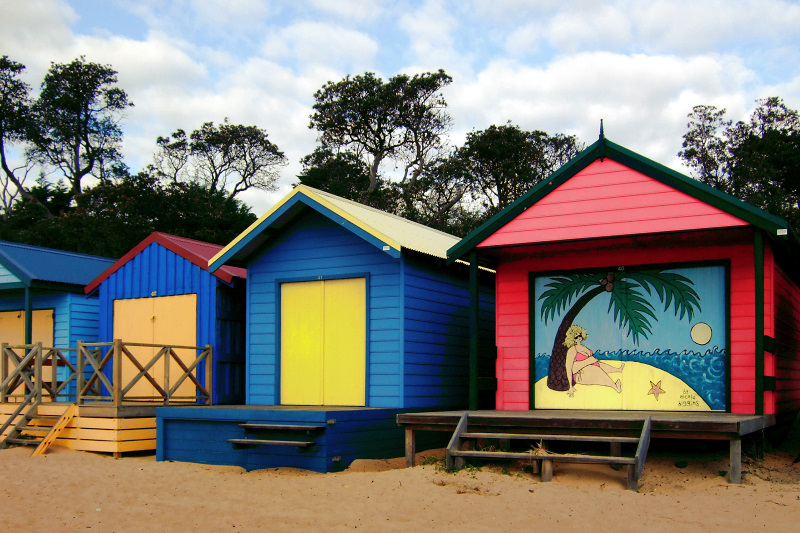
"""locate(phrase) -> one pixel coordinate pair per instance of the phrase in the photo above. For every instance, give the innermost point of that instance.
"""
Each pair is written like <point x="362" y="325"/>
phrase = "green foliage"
<point x="400" y="119"/>
<point x="562" y="290"/>
<point x="672" y="289"/>
<point x="627" y="302"/>
<point x="339" y="173"/>
<point x="229" y="158"/>
<point x="757" y="161"/>
<point x="76" y="120"/>
<point x="506" y="161"/>
<point x="113" y="216"/>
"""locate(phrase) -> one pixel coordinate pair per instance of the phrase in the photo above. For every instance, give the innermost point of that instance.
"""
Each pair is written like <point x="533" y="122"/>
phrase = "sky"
<point x="558" y="66"/>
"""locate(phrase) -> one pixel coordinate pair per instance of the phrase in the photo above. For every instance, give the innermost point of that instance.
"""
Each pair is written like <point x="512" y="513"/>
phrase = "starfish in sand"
<point x="655" y="389"/>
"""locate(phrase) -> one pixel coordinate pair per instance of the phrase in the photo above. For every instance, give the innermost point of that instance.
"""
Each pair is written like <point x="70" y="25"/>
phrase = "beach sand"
<point x="72" y="491"/>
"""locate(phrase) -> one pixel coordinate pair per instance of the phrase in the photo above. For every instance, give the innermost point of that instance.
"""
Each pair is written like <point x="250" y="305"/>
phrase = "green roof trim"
<point x="602" y="149"/>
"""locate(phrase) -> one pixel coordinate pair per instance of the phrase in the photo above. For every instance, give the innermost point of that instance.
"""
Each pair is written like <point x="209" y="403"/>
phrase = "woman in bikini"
<point x="581" y="365"/>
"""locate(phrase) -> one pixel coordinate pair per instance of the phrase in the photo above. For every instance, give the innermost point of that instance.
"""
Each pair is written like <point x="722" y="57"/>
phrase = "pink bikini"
<point x="581" y="357"/>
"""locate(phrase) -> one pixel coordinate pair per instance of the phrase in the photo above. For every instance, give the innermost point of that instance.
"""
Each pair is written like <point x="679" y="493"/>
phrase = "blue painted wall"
<point x="76" y="317"/>
<point x="157" y="271"/>
<point x="418" y="315"/>
<point x="436" y="343"/>
<point x="314" y="247"/>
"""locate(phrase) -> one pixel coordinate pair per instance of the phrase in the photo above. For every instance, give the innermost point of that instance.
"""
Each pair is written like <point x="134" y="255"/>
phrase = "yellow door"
<point x="12" y="331"/>
<point x="323" y="342"/>
<point x="345" y="364"/>
<point x="302" y="343"/>
<point x="165" y="320"/>
<point x="12" y="327"/>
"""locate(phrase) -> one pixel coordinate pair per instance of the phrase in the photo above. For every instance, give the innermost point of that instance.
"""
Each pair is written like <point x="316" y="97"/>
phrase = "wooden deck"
<point x="665" y="425"/>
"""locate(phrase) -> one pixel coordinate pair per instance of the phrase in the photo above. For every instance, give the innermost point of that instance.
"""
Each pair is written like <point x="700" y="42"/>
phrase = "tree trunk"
<point x="557" y="378"/>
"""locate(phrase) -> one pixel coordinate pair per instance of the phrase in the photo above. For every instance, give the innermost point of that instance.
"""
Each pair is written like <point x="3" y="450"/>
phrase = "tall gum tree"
<point x="76" y="120"/>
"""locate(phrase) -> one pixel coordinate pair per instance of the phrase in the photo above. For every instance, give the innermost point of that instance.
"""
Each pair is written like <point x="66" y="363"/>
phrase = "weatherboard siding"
<point x="608" y="199"/>
<point x="436" y="344"/>
<point x="156" y="272"/>
<point x="6" y="277"/>
<point x="314" y="247"/>
<point x="512" y="306"/>
<point x="787" y="343"/>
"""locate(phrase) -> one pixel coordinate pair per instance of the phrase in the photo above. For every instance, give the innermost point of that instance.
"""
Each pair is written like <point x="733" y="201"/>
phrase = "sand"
<point x="72" y="491"/>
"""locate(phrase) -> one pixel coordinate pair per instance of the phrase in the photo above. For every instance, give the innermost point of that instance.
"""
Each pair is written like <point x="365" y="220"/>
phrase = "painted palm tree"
<point x="631" y="309"/>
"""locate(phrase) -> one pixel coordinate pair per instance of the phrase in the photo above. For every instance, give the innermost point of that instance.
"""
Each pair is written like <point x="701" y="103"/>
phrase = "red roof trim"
<point x="196" y="252"/>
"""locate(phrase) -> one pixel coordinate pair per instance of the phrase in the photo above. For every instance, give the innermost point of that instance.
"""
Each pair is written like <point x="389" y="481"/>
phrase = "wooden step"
<point x="24" y="442"/>
<point x="564" y="458"/>
<point x="35" y="429"/>
<point x="542" y="436"/>
<point x="280" y="427"/>
<point x="263" y="442"/>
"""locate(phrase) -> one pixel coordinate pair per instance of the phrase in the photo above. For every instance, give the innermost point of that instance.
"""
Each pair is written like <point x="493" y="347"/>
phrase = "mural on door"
<point x="636" y="339"/>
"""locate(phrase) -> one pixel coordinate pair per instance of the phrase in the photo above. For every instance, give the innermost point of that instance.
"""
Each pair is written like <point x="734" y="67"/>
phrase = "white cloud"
<point x="31" y="31"/>
<point x="642" y="99"/>
<point x="358" y="10"/>
<point x="430" y="38"/>
<point x="316" y="43"/>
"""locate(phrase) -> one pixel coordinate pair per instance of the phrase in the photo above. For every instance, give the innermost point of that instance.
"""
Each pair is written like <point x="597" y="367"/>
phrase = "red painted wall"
<point x="785" y="364"/>
<point x="607" y="199"/>
<point x="512" y="298"/>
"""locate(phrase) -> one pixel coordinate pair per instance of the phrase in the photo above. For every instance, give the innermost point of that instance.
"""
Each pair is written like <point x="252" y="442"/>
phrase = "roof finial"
<point x="601" y="143"/>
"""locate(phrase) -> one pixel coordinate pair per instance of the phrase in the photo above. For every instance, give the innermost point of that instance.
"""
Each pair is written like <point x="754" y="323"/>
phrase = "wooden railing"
<point x="110" y="371"/>
<point x="32" y="369"/>
<point x="114" y="372"/>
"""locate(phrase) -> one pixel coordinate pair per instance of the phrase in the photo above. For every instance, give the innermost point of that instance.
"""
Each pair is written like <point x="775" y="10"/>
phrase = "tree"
<point x="630" y="308"/>
<point x="339" y="173"/>
<point x="15" y="119"/>
<point x="505" y="161"/>
<point x="115" y="215"/>
<point x="704" y="149"/>
<point x="229" y="158"/>
<point x="757" y="161"/>
<point x="76" y="120"/>
<point x="401" y="119"/>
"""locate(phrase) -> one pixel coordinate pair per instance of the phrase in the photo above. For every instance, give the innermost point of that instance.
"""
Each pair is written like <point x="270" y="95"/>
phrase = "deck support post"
<point x="547" y="470"/>
<point x="411" y="448"/>
<point x="736" y="460"/>
<point x="616" y="449"/>
<point x="28" y="316"/>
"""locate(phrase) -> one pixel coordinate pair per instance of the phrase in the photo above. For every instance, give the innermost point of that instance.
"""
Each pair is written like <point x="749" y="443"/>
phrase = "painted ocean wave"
<point x="705" y="372"/>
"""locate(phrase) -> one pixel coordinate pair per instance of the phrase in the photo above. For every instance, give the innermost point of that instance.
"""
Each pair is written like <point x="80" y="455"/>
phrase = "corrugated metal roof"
<point x="393" y="231"/>
<point x="409" y="235"/>
<point x="197" y="252"/>
<point x="33" y="263"/>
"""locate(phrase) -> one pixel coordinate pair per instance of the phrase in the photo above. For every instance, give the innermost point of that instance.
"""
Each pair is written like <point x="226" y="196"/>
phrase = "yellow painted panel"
<point x="133" y="322"/>
<point x="108" y="435"/>
<point x="302" y="343"/>
<point x="107" y="446"/>
<point x="644" y="388"/>
<point x="12" y="331"/>
<point x="652" y="389"/>
<point x="12" y="327"/>
<point x="162" y="320"/>
<point x="345" y="336"/>
<point x="42" y="327"/>
<point x="176" y="324"/>
<point x="112" y="423"/>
